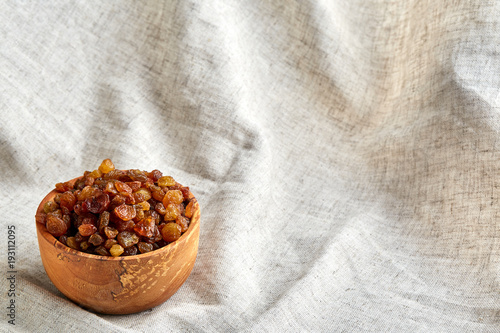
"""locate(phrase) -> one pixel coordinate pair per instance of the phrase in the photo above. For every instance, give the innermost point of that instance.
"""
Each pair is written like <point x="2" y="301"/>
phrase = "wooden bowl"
<point x="119" y="285"/>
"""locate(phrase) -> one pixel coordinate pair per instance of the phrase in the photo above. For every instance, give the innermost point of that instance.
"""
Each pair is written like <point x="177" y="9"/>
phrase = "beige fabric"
<point x="344" y="153"/>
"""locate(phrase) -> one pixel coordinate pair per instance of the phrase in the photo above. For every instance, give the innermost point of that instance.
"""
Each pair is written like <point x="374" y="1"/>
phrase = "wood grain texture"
<point x="120" y="285"/>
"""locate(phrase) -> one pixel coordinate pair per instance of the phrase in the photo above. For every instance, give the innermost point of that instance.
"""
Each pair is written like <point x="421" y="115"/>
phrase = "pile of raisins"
<point x="112" y="212"/>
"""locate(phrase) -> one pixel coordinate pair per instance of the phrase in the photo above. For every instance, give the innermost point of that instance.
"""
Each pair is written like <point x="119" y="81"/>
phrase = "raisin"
<point x="106" y="166"/>
<point x="183" y="222"/>
<point x="84" y="245"/>
<point x="137" y="175"/>
<point x="125" y="212"/>
<point x="156" y="217"/>
<point x="142" y="194"/>
<point x="110" y="188"/>
<point x="87" y="229"/>
<point x="157" y="193"/>
<point x="41" y="218"/>
<point x="185" y="192"/>
<point x="88" y="192"/>
<point x="63" y="239"/>
<point x="171" y="212"/>
<point x="101" y="250"/>
<point x="115" y="174"/>
<point x="97" y="204"/>
<point x="127" y="238"/>
<point x="144" y="247"/>
<point x="96" y="239"/>
<point x="116" y="250"/>
<point x="109" y="243"/>
<point x="173" y="197"/>
<point x="171" y="232"/>
<point x="130" y="251"/>
<point x="103" y="220"/>
<point x="56" y="226"/>
<point x="78" y="209"/>
<point x="57" y="198"/>
<point x="160" y="208"/>
<point x="110" y="232"/>
<point x="145" y="227"/>
<point x="166" y="181"/>
<point x="89" y="181"/>
<point x="190" y="207"/>
<point x="96" y="174"/>
<point x="144" y="205"/>
<point x="50" y="206"/>
<point x="72" y="243"/>
<point x="117" y="201"/>
<point x="63" y="187"/>
<point x="122" y="187"/>
<point x="160" y="243"/>
<point x="155" y="175"/>
<point x="134" y="186"/>
<point x="78" y="237"/>
<point x="124" y="225"/>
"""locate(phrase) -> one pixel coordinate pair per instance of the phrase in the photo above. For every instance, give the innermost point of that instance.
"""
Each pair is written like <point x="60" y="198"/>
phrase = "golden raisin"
<point x="173" y="197"/>
<point x="190" y="208"/>
<point x="171" y="212"/>
<point x="106" y="166"/>
<point x="144" y="205"/>
<point x="116" y="250"/>
<point x="171" y="232"/>
<point x="131" y="211"/>
<point x="142" y="194"/>
<point x="122" y="187"/>
<point x="166" y="181"/>
<point x="125" y="212"/>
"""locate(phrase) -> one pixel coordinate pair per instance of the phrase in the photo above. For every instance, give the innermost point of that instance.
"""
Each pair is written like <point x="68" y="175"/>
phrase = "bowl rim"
<point x="195" y="219"/>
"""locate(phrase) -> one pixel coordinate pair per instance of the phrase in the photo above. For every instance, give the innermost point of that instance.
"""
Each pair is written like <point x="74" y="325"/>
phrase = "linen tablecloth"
<point x="345" y="155"/>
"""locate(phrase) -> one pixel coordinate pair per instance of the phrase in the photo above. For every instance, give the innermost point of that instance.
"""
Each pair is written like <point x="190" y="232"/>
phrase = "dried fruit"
<point x="144" y="247"/>
<point x="173" y="197"/>
<point x="145" y="227"/>
<point x="127" y="238"/>
<point x="166" y="181"/>
<point x="125" y="212"/>
<point x="67" y="200"/>
<point x="106" y="166"/>
<point x="171" y="232"/>
<point x="171" y="212"/>
<point x="96" y="239"/>
<point x="87" y="229"/>
<point x="56" y="226"/>
<point x="118" y="212"/>
<point x="116" y="250"/>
